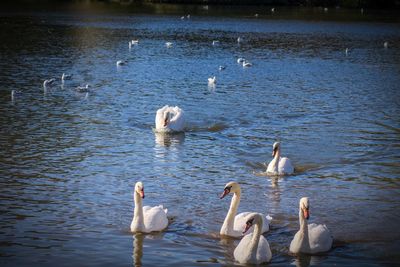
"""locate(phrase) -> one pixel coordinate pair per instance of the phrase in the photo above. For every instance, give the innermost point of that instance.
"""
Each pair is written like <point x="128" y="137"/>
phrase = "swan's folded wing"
<point x="241" y="252"/>
<point x="264" y="253"/>
<point x="285" y="166"/>
<point x="320" y="238"/>
<point x="155" y="218"/>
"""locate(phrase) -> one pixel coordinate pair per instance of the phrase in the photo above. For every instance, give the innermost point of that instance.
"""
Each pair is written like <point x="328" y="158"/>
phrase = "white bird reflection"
<point x="169" y="140"/>
<point x="305" y="260"/>
<point x="137" y="249"/>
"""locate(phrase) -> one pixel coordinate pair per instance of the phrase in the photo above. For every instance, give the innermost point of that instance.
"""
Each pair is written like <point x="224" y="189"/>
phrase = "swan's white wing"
<point x="285" y="166"/>
<point x="320" y="238"/>
<point x="160" y="117"/>
<point x="295" y="245"/>
<point x="155" y="218"/>
<point x="177" y="123"/>
<point x="264" y="253"/>
<point x="271" y="168"/>
<point x="242" y="252"/>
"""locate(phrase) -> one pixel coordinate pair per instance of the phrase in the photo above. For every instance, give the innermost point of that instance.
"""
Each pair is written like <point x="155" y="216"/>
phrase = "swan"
<point x="66" y="77"/>
<point x="168" y="44"/>
<point x="233" y="223"/>
<point x="222" y="67"/>
<point x="240" y="60"/>
<point x="212" y="80"/>
<point x="239" y="39"/>
<point x="170" y="119"/>
<point x="346" y="51"/>
<point x="48" y="82"/>
<point x="121" y="62"/>
<point x="147" y="219"/>
<point x="215" y="42"/>
<point x="273" y="9"/>
<point x="253" y="248"/>
<point x="311" y="238"/>
<point x="279" y="166"/>
<point x="83" y="89"/>
<point x="247" y="64"/>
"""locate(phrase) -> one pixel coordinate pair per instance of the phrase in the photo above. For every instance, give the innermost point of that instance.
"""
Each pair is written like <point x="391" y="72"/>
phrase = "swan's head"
<point x="139" y="188"/>
<point x="230" y="187"/>
<point x="275" y="147"/>
<point x="251" y="220"/>
<point x="305" y="207"/>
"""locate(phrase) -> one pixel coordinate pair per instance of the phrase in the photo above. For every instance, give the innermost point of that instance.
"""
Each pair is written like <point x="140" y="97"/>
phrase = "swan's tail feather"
<point x="269" y="218"/>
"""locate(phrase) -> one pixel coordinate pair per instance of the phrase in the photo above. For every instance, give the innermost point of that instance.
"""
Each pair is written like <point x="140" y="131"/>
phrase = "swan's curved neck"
<point x="230" y="216"/>
<point x="304" y="241"/>
<point x="253" y="246"/>
<point x="276" y="159"/>
<point x="138" y="219"/>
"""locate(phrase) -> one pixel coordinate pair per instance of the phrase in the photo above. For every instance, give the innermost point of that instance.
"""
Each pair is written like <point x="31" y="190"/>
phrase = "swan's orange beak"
<point x="226" y="191"/>
<point x="306" y="213"/>
<point x="141" y="193"/>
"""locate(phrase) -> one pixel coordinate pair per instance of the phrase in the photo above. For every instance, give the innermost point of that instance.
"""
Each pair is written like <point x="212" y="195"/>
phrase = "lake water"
<point x="69" y="160"/>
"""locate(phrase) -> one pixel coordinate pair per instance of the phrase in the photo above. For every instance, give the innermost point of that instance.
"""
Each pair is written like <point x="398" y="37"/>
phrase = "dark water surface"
<point x="69" y="160"/>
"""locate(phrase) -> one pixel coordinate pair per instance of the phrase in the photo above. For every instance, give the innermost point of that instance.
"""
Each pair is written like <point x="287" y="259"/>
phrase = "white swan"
<point x="253" y="248"/>
<point x="279" y="166"/>
<point x="233" y="223"/>
<point x="240" y="60"/>
<point x="239" y="39"/>
<point x="212" y="80"/>
<point x="311" y="238"/>
<point x="48" y="82"/>
<point x="147" y="219"/>
<point x="83" y="89"/>
<point x="246" y="64"/>
<point x="66" y="77"/>
<point x="215" y="42"/>
<point x="121" y="62"/>
<point x="170" y="119"/>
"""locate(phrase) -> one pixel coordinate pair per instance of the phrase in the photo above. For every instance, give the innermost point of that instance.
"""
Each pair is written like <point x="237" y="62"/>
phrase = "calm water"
<point x="69" y="162"/>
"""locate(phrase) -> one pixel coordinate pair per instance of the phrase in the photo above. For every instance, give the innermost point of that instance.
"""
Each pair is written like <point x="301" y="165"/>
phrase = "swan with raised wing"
<point x="279" y="165"/>
<point x="311" y="238"/>
<point x="253" y="248"/>
<point x="233" y="223"/>
<point x="170" y="119"/>
<point x="147" y="219"/>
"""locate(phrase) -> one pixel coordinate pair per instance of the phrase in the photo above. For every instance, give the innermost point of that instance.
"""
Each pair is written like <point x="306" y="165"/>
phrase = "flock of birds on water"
<point x="253" y="247"/>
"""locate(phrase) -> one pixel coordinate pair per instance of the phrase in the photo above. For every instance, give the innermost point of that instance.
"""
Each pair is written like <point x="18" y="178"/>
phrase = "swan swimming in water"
<point x="212" y="80"/>
<point x="253" y="248"/>
<point x="147" y="219"/>
<point x="48" y="82"/>
<point x="240" y="60"/>
<point x="170" y="119"/>
<point x="279" y="166"/>
<point x="121" y="62"/>
<point x="65" y="77"/>
<point x="311" y="238"/>
<point x="233" y="223"/>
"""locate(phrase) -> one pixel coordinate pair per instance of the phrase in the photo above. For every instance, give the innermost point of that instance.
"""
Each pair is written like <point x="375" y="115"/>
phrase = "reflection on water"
<point x="68" y="162"/>
<point x="168" y="140"/>
<point x="137" y="249"/>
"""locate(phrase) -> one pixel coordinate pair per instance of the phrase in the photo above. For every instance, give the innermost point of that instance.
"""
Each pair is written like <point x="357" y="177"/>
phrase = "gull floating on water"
<point x="121" y="62"/>
<point x="222" y="67"/>
<point x="48" y="82"/>
<point x="66" y="77"/>
<point x="212" y="80"/>
<point x="168" y="44"/>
